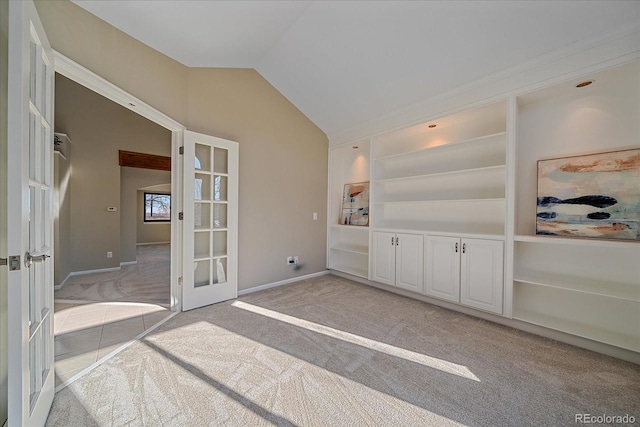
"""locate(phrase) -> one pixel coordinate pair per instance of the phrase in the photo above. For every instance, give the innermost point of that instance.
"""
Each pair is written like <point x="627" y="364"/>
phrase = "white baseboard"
<point x="122" y="264"/>
<point x="153" y="243"/>
<point x="58" y="287"/>
<point x="281" y="282"/>
<point x="99" y="270"/>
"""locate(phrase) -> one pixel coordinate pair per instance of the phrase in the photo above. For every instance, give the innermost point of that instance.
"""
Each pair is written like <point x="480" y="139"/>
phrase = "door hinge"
<point x="181" y="150"/>
<point x="180" y="216"/>
<point x="180" y="281"/>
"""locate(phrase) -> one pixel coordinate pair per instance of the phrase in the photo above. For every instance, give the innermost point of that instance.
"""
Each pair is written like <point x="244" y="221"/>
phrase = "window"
<point x="157" y="207"/>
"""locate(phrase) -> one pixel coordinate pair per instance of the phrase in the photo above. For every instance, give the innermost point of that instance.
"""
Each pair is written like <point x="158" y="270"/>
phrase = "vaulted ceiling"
<point x="346" y="62"/>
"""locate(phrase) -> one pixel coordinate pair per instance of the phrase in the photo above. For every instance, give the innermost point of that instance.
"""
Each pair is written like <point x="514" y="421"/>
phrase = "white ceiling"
<point x="343" y="63"/>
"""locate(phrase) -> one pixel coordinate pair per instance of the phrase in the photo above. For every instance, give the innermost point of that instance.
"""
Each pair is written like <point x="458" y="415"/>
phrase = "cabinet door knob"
<point x="464" y="248"/>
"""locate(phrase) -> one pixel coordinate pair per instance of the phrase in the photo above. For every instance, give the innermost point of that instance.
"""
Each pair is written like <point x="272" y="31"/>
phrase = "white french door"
<point x="30" y="218"/>
<point x="210" y="208"/>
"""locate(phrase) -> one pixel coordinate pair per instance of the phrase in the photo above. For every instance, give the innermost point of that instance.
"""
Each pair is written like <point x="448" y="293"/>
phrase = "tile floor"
<point x="85" y="332"/>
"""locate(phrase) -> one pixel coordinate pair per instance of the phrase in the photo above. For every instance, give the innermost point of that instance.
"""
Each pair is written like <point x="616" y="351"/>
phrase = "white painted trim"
<point x="58" y="287"/>
<point x="153" y="243"/>
<point x="125" y="263"/>
<point x="91" y="80"/>
<point x="575" y="60"/>
<point x="281" y="282"/>
<point x="98" y="270"/>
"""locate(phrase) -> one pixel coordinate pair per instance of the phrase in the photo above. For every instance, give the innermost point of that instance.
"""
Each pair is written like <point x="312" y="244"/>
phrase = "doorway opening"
<point x="116" y="273"/>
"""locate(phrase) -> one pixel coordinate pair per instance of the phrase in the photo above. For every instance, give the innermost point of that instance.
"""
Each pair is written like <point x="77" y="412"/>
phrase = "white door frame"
<point x="90" y="80"/>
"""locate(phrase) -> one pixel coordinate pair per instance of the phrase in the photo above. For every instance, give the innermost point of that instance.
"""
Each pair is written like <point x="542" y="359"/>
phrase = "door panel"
<point x="409" y="262"/>
<point x="442" y="267"/>
<point x="30" y="217"/>
<point x="384" y="263"/>
<point x="210" y="220"/>
<point x="481" y="282"/>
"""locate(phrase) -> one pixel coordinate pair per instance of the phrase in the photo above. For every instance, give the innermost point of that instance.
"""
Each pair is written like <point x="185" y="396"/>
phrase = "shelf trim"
<point x="355" y="249"/>
<point x="491" y="200"/>
<point x="499" y="237"/>
<point x="577" y="241"/>
<point x="438" y="174"/>
<point x="350" y="227"/>
<point x="447" y="145"/>
<point x="530" y="281"/>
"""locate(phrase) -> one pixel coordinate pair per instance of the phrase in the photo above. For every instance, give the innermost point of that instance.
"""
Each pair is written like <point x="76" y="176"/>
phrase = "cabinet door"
<point x="442" y="267"/>
<point x="384" y="258"/>
<point x="410" y="261"/>
<point x="481" y="281"/>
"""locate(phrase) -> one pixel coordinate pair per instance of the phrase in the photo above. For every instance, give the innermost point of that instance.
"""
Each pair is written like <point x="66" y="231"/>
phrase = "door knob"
<point x="30" y="259"/>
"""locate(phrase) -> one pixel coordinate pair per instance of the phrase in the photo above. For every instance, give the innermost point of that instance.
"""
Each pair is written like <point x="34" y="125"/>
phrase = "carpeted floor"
<point x="331" y="352"/>
<point x="148" y="281"/>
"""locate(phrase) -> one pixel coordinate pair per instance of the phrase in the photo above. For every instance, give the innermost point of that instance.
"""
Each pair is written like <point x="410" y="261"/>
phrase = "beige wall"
<point x="98" y="128"/>
<point x="283" y="171"/>
<point x="133" y="229"/>
<point x="283" y="155"/>
<point x="4" y="24"/>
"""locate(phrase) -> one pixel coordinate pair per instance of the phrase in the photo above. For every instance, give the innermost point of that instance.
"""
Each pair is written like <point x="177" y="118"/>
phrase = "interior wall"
<point x="4" y="59"/>
<point x="62" y="221"/>
<point x="283" y="171"/>
<point x="133" y="228"/>
<point x="150" y="232"/>
<point x="99" y="128"/>
<point x="283" y="155"/>
<point x="115" y="56"/>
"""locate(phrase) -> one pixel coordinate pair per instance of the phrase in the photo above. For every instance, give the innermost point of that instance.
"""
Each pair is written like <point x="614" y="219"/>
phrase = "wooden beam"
<point x="144" y="161"/>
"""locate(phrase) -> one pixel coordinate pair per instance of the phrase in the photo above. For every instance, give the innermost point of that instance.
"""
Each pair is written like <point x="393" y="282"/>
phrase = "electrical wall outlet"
<point x="295" y="260"/>
<point x="290" y="260"/>
<point x="109" y="254"/>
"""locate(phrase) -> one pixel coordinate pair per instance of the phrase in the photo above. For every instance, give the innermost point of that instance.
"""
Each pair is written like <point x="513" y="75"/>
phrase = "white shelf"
<point x="495" y="232"/>
<point x="608" y="320"/>
<point x="551" y="240"/>
<point x="627" y="292"/>
<point x="437" y="148"/>
<point x="346" y="247"/>
<point x="451" y="174"/>
<point x="420" y="202"/>
<point x="356" y="228"/>
<point x="350" y="270"/>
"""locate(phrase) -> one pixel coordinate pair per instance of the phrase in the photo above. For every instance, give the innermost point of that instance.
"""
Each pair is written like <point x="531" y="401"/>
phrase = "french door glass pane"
<point x="220" y="188"/>
<point x="219" y="243"/>
<point x="203" y="158"/>
<point x="201" y="216"/>
<point x="219" y="215"/>
<point x="201" y="274"/>
<point x="202" y="187"/>
<point x="201" y="245"/>
<point x="220" y="270"/>
<point x="220" y="160"/>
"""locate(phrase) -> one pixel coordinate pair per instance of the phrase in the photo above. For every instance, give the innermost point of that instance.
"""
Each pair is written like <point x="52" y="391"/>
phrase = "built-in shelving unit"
<point x="348" y="245"/>
<point x="444" y="179"/>
<point x="467" y="188"/>
<point x="585" y="287"/>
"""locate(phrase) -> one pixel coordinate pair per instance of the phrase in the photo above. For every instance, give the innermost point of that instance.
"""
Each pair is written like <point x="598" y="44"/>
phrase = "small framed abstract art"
<point x="592" y="196"/>
<point x="355" y="204"/>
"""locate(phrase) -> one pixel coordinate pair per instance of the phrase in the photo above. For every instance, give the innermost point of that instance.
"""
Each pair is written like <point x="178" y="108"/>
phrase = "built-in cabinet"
<point x="465" y="185"/>
<point x="466" y="271"/>
<point x="398" y="260"/>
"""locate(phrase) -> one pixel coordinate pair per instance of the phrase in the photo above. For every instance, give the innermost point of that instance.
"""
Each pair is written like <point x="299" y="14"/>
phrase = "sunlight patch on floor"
<point x="431" y="362"/>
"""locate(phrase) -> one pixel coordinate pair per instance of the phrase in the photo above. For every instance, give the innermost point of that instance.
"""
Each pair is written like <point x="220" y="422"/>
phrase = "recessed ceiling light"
<point x="432" y="126"/>
<point x="584" y="83"/>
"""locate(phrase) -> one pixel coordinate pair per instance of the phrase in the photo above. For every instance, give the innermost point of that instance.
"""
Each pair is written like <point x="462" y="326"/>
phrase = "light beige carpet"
<point x="148" y="281"/>
<point x="331" y="352"/>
